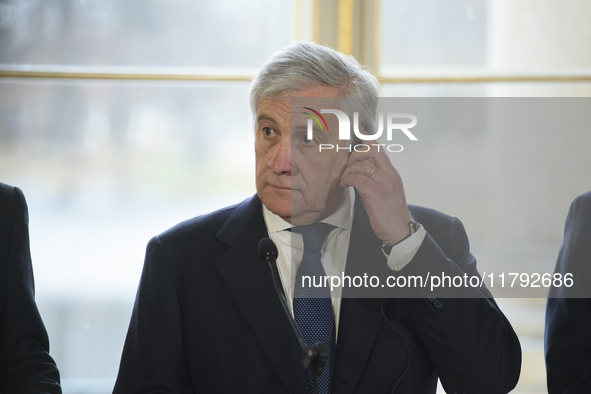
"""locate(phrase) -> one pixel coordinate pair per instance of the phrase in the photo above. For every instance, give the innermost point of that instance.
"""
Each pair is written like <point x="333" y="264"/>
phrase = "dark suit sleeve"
<point x="25" y="364"/>
<point x="470" y="342"/>
<point x="154" y="358"/>
<point x="568" y="320"/>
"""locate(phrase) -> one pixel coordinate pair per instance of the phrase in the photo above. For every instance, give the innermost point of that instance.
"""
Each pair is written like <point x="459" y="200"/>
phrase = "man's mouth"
<point x="281" y="187"/>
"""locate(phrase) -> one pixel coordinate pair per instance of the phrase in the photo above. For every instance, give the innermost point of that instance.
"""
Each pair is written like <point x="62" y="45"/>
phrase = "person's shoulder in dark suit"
<point x="568" y="320"/>
<point x="179" y="266"/>
<point x="25" y="363"/>
<point x="188" y="319"/>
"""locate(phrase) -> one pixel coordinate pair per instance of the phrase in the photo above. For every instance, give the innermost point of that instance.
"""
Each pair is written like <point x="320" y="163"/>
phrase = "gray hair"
<point x="304" y="64"/>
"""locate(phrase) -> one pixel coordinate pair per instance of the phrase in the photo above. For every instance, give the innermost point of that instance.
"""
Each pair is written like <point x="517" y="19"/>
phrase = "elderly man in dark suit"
<point x="568" y="309"/>
<point x="208" y="320"/>
<point x="25" y="363"/>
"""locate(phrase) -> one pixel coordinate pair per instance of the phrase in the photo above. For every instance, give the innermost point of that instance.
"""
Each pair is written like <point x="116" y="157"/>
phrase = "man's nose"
<point x="280" y="162"/>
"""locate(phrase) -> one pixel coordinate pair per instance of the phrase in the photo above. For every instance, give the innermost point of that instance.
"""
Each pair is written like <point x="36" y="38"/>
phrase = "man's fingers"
<point x="365" y="162"/>
<point x="360" y="167"/>
<point x="378" y="158"/>
<point x="358" y="181"/>
<point x="365" y="168"/>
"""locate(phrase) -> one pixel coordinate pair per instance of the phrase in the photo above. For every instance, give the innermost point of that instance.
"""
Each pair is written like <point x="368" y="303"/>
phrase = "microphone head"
<point x="267" y="248"/>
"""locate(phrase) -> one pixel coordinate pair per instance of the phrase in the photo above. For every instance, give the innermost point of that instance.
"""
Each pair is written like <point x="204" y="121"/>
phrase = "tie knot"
<point x="313" y="235"/>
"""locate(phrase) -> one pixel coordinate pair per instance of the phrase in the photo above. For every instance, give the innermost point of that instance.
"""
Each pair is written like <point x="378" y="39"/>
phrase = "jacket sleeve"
<point x="154" y="358"/>
<point x="25" y="363"/>
<point x="568" y="320"/>
<point x="471" y="343"/>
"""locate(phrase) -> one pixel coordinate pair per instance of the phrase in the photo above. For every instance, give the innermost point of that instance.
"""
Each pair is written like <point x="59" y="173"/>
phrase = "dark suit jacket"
<point x="568" y="320"/>
<point x="207" y="319"/>
<point x="25" y="364"/>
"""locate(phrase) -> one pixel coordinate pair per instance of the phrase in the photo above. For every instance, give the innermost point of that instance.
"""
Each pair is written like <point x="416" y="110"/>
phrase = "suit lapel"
<point x="360" y="318"/>
<point x="249" y="280"/>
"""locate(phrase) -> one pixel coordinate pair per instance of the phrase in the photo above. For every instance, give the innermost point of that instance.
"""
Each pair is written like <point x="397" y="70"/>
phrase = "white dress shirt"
<point x="334" y="250"/>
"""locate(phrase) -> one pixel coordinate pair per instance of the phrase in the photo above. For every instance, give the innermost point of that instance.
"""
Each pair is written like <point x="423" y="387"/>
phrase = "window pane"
<point x="431" y="33"/>
<point x="104" y="167"/>
<point x="180" y="33"/>
<point x="481" y="36"/>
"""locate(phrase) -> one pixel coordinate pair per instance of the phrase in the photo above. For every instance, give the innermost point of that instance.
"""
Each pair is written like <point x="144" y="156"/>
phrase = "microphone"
<point x="317" y="355"/>
<point x="268" y="251"/>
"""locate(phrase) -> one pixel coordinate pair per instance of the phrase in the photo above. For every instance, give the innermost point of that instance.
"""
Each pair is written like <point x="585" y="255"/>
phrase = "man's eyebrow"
<point x="265" y="117"/>
<point x="304" y="128"/>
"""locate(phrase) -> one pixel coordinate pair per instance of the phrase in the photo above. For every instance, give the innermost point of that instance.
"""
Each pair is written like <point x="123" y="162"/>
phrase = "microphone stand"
<point x="316" y="355"/>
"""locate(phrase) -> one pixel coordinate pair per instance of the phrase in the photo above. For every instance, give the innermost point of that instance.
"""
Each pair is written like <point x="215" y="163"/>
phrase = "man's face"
<point x="293" y="179"/>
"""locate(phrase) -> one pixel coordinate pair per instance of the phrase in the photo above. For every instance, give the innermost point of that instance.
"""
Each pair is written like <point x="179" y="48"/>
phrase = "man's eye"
<point x="306" y="140"/>
<point x="268" y="131"/>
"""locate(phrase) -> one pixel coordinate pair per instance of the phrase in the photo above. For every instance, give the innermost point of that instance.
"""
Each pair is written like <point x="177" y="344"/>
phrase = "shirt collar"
<point x="342" y="217"/>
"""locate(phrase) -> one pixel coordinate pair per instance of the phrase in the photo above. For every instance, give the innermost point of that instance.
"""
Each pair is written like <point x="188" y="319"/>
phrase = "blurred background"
<point x="119" y="119"/>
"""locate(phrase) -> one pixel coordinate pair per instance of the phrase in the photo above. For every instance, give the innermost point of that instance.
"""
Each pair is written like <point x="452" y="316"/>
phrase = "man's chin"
<point x="302" y="214"/>
<point x="277" y="202"/>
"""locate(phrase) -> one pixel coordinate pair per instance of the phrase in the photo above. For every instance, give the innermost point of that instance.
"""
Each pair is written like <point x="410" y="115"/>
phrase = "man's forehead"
<point x="317" y="95"/>
<point x="294" y="105"/>
<point x="316" y="103"/>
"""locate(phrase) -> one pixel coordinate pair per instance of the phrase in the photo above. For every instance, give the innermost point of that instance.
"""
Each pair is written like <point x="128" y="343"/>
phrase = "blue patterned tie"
<point x="312" y="306"/>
